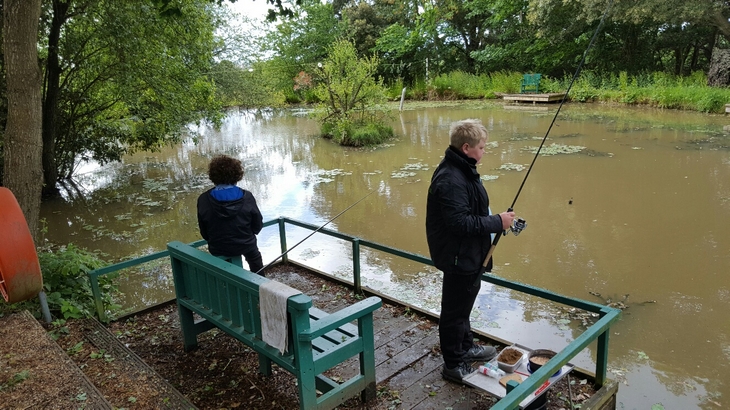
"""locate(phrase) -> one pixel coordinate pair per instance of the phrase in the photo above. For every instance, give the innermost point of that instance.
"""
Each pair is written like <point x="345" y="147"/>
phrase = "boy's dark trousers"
<point x="457" y="299"/>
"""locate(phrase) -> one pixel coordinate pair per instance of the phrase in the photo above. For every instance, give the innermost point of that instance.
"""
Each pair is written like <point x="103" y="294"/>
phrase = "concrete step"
<point x="35" y="372"/>
<point x="138" y="375"/>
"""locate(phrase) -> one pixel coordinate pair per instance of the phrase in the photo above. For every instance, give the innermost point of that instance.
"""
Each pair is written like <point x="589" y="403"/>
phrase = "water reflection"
<point x="643" y="210"/>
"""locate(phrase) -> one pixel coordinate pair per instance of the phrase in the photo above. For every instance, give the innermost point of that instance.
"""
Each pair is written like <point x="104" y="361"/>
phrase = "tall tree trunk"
<point x="50" y="98"/>
<point x="719" y="74"/>
<point x="678" y="59"/>
<point x="23" y="143"/>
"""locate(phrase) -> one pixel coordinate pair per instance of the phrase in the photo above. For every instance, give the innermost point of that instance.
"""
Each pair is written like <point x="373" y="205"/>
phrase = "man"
<point x="458" y="229"/>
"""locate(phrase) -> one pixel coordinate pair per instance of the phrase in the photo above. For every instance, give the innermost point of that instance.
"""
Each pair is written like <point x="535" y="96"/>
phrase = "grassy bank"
<point x="654" y="89"/>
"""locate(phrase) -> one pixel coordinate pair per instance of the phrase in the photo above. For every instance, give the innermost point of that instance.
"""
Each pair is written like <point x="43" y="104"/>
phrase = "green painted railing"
<point x="598" y="332"/>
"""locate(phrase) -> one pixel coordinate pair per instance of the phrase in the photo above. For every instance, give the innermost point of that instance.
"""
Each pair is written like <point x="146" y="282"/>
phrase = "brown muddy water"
<point x="634" y="206"/>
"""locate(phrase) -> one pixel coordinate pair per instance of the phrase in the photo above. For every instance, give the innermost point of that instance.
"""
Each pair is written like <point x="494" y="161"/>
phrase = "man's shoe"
<point x="458" y="373"/>
<point x="479" y="353"/>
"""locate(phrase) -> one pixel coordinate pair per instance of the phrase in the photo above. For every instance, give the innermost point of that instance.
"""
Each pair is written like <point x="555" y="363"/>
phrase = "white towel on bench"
<point x="272" y="305"/>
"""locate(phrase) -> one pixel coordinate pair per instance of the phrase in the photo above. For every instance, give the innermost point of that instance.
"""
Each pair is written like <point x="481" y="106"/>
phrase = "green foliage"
<point x="357" y="133"/>
<point x="352" y="106"/>
<point x="298" y="44"/>
<point x="66" y="283"/>
<point x="15" y="380"/>
<point x="508" y="82"/>
<point x="395" y="89"/>
<point x="67" y="286"/>
<point x="131" y="78"/>
<point x="657" y="89"/>
<point x="247" y="88"/>
<point x="461" y="85"/>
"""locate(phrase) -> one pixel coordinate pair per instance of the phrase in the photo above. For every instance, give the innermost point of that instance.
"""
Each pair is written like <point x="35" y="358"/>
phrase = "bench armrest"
<point x="339" y="318"/>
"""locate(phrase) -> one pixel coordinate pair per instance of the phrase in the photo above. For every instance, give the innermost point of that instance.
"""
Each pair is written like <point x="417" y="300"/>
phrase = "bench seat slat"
<point x="341" y="317"/>
<point x="326" y="360"/>
<point x="348" y="329"/>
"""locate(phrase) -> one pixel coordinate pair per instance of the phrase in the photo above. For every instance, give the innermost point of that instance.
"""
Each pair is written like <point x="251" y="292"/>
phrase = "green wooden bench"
<point x="226" y="296"/>
<point x="530" y="83"/>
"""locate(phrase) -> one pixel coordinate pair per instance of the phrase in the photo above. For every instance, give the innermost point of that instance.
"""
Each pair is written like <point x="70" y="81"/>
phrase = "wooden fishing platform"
<point x="534" y="98"/>
<point x="408" y="358"/>
<point x="407" y="355"/>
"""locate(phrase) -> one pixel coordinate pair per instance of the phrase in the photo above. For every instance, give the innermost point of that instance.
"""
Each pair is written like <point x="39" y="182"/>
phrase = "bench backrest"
<point x="530" y="82"/>
<point x="230" y="292"/>
<point x="531" y="78"/>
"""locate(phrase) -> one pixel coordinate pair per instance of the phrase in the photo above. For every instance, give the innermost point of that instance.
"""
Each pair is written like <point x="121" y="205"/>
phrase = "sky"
<point x="250" y="8"/>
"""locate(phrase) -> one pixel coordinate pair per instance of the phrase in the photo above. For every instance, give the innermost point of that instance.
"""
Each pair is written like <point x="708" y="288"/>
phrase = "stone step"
<point x="36" y="373"/>
<point x="138" y="374"/>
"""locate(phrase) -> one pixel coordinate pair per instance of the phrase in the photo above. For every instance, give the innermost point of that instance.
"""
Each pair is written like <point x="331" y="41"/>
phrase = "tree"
<point x="300" y="42"/>
<point x="681" y="34"/>
<point x="122" y="77"/>
<point x="22" y="139"/>
<point x="351" y="110"/>
<point x="246" y="88"/>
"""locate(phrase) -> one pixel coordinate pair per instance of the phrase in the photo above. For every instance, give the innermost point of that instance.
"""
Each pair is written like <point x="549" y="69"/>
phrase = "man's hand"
<point x="507" y="218"/>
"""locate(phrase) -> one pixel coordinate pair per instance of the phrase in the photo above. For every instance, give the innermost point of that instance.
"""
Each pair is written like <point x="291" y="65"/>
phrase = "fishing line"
<point x="317" y="230"/>
<point x="565" y="97"/>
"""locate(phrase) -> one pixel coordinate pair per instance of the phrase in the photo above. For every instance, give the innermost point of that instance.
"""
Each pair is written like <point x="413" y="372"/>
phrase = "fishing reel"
<point x="518" y="224"/>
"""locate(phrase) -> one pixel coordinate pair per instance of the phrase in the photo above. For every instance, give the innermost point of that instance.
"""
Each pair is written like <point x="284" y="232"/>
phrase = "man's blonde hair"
<point x="467" y="132"/>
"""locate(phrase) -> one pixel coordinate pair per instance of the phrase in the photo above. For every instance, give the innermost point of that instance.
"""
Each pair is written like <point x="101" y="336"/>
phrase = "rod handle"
<point x="494" y="244"/>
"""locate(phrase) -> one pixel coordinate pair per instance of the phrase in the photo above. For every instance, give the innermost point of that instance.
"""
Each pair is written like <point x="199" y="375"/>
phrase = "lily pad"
<point x="555" y="149"/>
<point x="508" y="166"/>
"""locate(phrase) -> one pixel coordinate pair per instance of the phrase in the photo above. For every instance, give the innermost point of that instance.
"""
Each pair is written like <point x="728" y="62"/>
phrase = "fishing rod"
<point x="317" y="230"/>
<point x="519" y="224"/>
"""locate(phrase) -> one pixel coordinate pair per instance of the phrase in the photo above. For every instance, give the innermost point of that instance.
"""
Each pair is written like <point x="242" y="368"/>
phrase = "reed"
<point x="655" y="89"/>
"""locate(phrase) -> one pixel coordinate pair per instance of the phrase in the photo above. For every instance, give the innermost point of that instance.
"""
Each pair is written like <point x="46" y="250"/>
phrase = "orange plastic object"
<point x="20" y="272"/>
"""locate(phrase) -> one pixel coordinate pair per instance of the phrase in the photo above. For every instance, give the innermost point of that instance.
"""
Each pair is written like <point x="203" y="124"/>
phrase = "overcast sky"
<point x="250" y="8"/>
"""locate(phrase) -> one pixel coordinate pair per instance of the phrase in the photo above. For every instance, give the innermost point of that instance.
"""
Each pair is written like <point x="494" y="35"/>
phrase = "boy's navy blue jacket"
<point x="230" y="227"/>
<point x="458" y="223"/>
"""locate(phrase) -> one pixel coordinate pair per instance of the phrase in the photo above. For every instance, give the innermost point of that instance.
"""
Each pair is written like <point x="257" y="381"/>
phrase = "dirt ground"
<point x="221" y="374"/>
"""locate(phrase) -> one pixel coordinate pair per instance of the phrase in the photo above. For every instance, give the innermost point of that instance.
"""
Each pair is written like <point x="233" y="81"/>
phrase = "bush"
<point x="357" y="133"/>
<point x="67" y="286"/>
<point x="461" y="85"/>
<point x="370" y="134"/>
<point x="508" y="83"/>
<point x="66" y="283"/>
<point x="353" y="100"/>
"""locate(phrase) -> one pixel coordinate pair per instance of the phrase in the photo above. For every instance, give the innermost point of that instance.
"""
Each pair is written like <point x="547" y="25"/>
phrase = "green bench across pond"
<point x="227" y="297"/>
<point x="530" y="83"/>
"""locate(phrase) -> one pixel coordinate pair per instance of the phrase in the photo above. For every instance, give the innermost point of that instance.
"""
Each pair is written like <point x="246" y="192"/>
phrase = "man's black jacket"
<point x="458" y="224"/>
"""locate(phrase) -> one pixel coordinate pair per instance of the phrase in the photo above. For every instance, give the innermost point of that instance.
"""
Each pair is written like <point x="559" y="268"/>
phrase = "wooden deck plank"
<point x="433" y="392"/>
<point x="415" y="372"/>
<point x="403" y="342"/>
<point x="534" y="98"/>
<point x="394" y="364"/>
<point x="392" y="330"/>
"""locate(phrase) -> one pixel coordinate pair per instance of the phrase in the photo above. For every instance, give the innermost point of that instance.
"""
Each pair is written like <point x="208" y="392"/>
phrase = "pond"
<point x="631" y="206"/>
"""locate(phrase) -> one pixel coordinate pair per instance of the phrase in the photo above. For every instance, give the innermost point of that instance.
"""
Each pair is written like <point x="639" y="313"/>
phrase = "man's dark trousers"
<point x="457" y="299"/>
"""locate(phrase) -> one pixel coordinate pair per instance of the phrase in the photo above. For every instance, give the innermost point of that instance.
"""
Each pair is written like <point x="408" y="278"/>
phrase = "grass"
<point x="655" y="89"/>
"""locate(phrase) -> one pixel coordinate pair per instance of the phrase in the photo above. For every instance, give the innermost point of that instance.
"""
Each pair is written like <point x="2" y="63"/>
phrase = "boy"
<point x="228" y="217"/>
<point x="458" y="230"/>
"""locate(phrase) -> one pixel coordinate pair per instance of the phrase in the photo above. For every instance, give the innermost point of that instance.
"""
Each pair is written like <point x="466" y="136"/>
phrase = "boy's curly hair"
<point x="225" y="170"/>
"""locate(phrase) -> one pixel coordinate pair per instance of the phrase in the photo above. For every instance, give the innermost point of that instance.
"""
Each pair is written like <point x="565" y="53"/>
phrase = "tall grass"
<point x="655" y="89"/>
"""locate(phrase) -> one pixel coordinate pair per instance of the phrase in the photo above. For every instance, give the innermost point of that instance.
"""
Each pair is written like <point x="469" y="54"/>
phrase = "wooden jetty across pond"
<point x="534" y="98"/>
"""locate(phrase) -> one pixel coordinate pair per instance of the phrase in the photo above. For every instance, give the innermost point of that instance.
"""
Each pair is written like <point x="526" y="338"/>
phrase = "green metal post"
<point x="356" y="266"/>
<point x="282" y="240"/>
<point x="97" y="297"/>
<point x="602" y="358"/>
